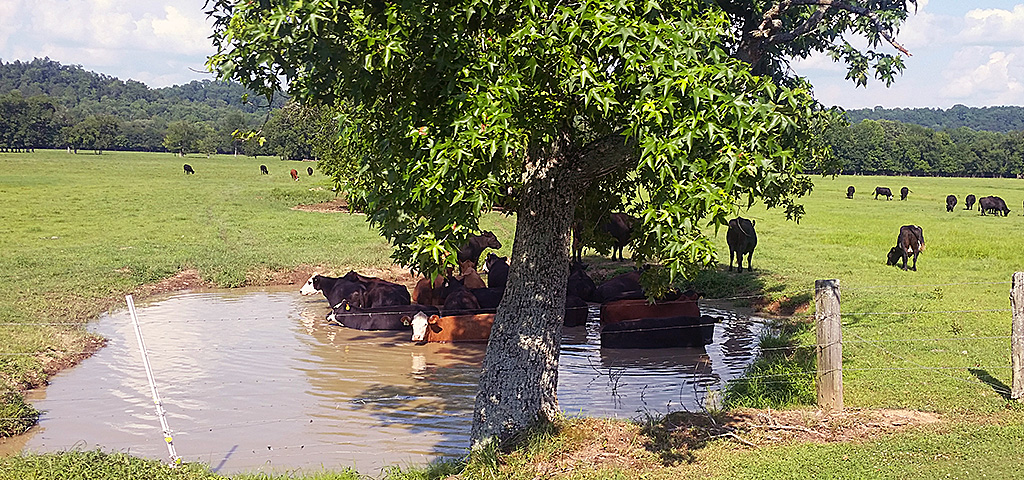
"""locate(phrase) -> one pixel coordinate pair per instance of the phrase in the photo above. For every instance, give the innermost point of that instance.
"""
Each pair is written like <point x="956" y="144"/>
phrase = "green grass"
<point x="80" y="231"/>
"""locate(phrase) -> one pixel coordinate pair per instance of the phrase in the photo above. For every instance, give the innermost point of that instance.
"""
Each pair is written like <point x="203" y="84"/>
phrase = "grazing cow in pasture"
<point x="661" y="332"/>
<point x="475" y="246"/>
<point x="625" y="286"/>
<point x="309" y="170"/>
<point x="580" y="284"/>
<point x="357" y="290"/>
<point x="994" y="205"/>
<point x="576" y="311"/>
<point x="969" y="202"/>
<point x="849" y="191"/>
<point x="620" y="227"/>
<point x="263" y="170"/>
<point x="950" y="202"/>
<point x="903" y="193"/>
<point x="910" y="241"/>
<point x="390" y="317"/>
<point x="188" y="169"/>
<point x="884" y="191"/>
<point x="497" y="270"/>
<point x="451" y="328"/>
<point x="295" y="174"/>
<point x="742" y="239"/>
<point x="623" y="310"/>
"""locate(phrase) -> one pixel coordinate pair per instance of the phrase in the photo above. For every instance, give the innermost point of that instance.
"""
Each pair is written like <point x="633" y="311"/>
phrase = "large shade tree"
<point x="682" y="107"/>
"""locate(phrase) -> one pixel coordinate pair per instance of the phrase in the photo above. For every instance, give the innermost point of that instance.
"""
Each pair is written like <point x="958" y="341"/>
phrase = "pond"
<point x="258" y="380"/>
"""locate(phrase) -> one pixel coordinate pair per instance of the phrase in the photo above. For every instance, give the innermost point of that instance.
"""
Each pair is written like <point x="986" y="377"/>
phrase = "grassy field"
<point x="80" y="231"/>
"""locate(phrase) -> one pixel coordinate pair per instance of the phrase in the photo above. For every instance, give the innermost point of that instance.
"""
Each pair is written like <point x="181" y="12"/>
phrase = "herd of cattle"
<point x="461" y="308"/>
<point x="263" y="171"/>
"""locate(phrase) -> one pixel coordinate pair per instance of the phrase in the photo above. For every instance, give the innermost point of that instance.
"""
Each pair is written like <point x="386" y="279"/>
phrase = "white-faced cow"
<point x="910" y="241"/>
<point x="950" y="202"/>
<point x="742" y="239"/>
<point x="994" y="205"/>
<point x="390" y="317"/>
<point x="451" y="328"/>
<point x="357" y="290"/>
<point x="883" y="191"/>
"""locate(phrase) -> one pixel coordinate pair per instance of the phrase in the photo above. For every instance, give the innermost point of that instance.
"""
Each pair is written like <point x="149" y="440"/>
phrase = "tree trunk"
<point x="518" y="384"/>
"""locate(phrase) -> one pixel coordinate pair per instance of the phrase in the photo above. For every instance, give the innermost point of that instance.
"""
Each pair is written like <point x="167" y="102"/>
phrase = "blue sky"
<point x="963" y="52"/>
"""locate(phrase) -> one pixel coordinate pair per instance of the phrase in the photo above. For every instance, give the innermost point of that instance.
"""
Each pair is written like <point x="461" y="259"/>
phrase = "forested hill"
<point x="990" y="119"/>
<point x="81" y="93"/>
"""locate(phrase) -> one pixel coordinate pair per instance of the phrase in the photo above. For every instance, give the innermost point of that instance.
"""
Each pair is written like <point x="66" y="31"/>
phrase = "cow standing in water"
<point x="295" y="174"/>
<point x="910" y="241"/>
<point x="742" y="239"/>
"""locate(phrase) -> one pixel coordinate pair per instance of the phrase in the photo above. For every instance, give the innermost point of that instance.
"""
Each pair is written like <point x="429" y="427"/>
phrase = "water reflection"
<point x="258" y="380"/>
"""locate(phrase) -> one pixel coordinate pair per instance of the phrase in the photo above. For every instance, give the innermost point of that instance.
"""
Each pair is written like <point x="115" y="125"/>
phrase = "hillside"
<point x="991" y="119"/>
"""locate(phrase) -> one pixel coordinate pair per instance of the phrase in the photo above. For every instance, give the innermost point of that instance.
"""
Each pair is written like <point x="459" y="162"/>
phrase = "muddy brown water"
<point x="258" y="380"/>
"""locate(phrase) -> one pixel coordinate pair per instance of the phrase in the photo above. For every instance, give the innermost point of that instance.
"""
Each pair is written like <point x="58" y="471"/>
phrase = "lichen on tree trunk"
<point x="519" y="380"/>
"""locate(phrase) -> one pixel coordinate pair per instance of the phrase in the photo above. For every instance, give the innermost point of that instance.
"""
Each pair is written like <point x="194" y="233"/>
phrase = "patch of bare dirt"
<point x="338" y="205"/>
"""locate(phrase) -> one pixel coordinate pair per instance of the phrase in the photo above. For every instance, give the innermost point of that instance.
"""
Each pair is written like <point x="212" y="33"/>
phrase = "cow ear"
<point x="406" y="320"/>
<point x="435" y="328"/>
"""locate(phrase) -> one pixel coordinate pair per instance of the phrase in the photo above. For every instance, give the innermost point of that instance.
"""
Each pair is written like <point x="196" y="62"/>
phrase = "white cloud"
<point x="985" y="73"/>
<point x="993" y="26"/>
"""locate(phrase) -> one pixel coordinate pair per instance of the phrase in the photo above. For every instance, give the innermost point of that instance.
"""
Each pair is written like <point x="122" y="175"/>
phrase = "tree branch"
<point x="606" y="155"/>
<point x="771" y="21"/>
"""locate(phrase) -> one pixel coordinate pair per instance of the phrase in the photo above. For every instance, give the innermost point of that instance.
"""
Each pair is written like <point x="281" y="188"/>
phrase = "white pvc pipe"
<point x="175" y="459"/>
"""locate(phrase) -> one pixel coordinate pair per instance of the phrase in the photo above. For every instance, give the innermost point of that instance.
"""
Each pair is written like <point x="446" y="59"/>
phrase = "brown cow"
<point x="623" y="310"/>
<point x="451" y="328"/>
<point x="295" y="174"/>
<point x="470" y="278"/>
<point x="428" y="293"/>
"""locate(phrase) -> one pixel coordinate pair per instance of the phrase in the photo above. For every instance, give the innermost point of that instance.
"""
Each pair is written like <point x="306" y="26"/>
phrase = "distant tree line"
<point x="44" y="104"/>
<point x="989" y="119"/>
<point x="886" y="147"/>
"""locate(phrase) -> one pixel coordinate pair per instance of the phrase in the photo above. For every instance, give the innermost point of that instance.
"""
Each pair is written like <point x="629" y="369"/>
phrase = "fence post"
<point x="829" y="378"/>
<point x="1017" y="337"/>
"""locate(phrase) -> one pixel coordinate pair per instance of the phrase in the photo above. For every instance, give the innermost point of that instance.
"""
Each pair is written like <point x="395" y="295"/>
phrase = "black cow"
<point x="620" y="227"/>
<point x="903" y="193"/>
<point x="263" y="170"/>
<point x="188" y="169"/>
<point x="909" y="241"/>
<point x="497" y="270"/>
<point x="357" y="291"/>
<point x="884" y="191"/>
<point x="849" y="191"/>
<point x="622" y="287"/>
<point x="969" y="202"/>
<point x="457" y="298"/>
<point x="576" y="311"/>
<point x="390" y="317"/>
<point x="742" y="239"/>
<point x="488" y="298"/>
<point x="309" y="170"/>
<point x="950" y="202"/>
<point x="663" y="332"/>
<point x="580" y="284"/>
<point x="477" y="243"/>
<point x="993" y="204"/>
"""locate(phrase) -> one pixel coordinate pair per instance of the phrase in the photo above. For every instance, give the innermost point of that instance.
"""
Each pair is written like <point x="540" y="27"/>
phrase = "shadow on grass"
<point x="998" y="386"/>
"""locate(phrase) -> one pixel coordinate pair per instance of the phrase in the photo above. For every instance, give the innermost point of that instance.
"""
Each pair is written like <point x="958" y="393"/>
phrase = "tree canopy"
<point x="453" y="107"/>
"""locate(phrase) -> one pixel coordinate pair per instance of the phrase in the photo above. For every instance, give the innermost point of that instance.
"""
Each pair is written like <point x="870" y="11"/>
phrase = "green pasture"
<point x="79" y="231"/>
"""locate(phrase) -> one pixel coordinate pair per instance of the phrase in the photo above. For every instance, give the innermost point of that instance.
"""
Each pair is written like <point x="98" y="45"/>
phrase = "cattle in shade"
<point x="295" y="174"/>
<point x="950" y="202"/>
<point x="969" y="202"/>
<point x="576" y="311"/>
<point x="993" y="205"/>
<point x="909" y="242"/>
<point x="188" y="169"/>
<point x="470" y="278"/>
<point x="623" y="310"/>
<point x="742" y="240"/>
<point x="663" y="332"/>
<point x="580" y="284"/>
<point x="577" y="240"/>
<point x="391" y="317"/>
<point x="883" y="191"/>
<point x="263" y="170"/>
<point x="457" y="298"/>
<point x="849" y="191"/>
<point x="309" y="170"/>
<point x="475" y="246"/>
<point x="488" y="298"/>
<point x="451" y="328"/>
<point x="625" y="286"/>
<point x="620" y="227"/>
<point x="903" y="193"/>
<point x="497" y="271"/>
<point x="428" y="292"/>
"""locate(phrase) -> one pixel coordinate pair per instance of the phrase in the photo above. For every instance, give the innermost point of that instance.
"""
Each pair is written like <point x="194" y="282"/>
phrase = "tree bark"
<point x="519" y="380"/>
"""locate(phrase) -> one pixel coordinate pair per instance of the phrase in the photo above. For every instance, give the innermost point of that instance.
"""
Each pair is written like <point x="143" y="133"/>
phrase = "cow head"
<point x="312" y="285"/>
<point x="894" y="256"/>
<point x="490" y="240"/>
<point x="420" y="322"/>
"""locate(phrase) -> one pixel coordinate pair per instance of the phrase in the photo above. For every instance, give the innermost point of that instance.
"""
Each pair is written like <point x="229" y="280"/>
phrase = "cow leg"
<point x="750" y="257"/>
<point x="905" y="260"/>
<point x="914" y="268"/>
<point x="731" y="254"/>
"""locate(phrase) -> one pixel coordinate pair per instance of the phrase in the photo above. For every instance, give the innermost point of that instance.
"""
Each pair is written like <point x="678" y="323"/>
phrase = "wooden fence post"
<point x="1017" y="337"/>
<point x="829" y="378"/>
